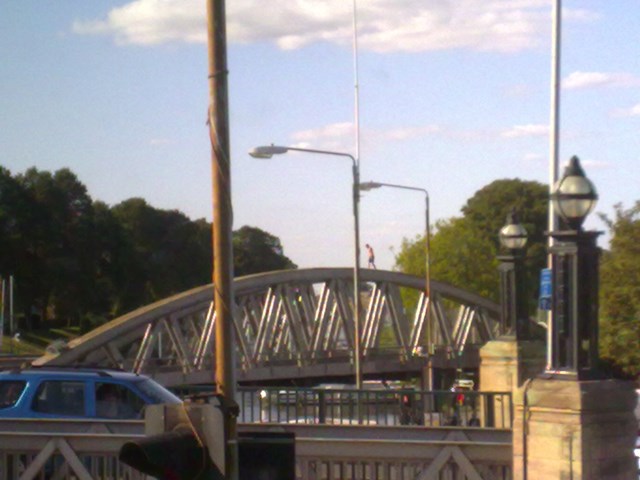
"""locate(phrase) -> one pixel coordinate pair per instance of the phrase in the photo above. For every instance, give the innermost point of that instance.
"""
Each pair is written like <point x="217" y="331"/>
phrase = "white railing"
<point x="88" y="450"/>
<point x="65" y="449"/>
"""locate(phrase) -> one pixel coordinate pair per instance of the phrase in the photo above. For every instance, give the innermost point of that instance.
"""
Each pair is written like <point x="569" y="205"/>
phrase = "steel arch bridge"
<point x="292" y="324"/>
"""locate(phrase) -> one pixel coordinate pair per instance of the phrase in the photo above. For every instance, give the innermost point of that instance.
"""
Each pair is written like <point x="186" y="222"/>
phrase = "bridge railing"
<point x="343" y="406"/>
<point x="38" y="453"/>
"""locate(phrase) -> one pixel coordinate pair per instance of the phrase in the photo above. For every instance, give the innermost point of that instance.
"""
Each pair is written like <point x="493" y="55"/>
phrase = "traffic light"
<point x="175" y="455"/>
<point x="183" y="442"/>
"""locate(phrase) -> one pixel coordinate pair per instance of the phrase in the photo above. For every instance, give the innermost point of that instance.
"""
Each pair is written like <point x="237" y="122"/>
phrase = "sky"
<point x="452" y="95"/>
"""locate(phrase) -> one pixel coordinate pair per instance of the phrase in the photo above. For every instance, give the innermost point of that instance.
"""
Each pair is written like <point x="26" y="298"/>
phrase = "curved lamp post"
<point x="366" y="186"/>
<point x="513" y="302"/>
<point x="574" y="337"/>
<point x="266" y="152"/>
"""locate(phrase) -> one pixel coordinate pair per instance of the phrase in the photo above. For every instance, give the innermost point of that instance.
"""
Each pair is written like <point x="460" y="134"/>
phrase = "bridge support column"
<point x="579" y="430"/>
<point x="505" y="364"/>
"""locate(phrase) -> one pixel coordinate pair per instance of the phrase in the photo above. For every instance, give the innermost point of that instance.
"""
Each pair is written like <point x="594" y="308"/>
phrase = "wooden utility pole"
<point x="222" y="225"/>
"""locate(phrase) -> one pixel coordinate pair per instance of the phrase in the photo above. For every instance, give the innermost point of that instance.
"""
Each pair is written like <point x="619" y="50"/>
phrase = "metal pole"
<point x="222" y="225"/>
<point x="554" y="148"/>
<point x="356" y="277"/>
<point x="428" y="272"/>
<point x="11" y="324"/>
<point x="2" y="308"/>
<point x="356" y="201"/>
<point x="356" y="85"/>
<point x="430" y="345"/>
<point x="356" y="268"/>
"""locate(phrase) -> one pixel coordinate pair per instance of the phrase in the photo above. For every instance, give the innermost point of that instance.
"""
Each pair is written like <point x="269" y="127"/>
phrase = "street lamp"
<point x="574" y="196"/>
<point x="365" y="186"/>
<point x="574" y="339"/>
<point x="266" y="152"/>
<point x="513" y="302"/>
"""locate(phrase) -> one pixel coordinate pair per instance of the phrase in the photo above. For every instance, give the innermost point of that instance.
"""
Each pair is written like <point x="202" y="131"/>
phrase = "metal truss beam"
<point x="295" y="320"/>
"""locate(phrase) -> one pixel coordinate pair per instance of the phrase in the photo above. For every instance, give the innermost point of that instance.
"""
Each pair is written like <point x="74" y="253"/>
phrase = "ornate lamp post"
<point x="513" y="304"/>
<point x="574" y="338"/>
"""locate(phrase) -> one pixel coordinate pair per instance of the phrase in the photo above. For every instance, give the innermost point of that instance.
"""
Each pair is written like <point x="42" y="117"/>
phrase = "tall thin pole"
<point x="356" y="200"/>
<point x="427" y="234"/>
<point x="356" y="86"/>
<point x="357" y="341"/>
<point x="11" y="324"/>
<point x="2" y="308"/>
<point x="222" y="224"/>
<point x="430" y="345"/>
<point x="554" y="147"/>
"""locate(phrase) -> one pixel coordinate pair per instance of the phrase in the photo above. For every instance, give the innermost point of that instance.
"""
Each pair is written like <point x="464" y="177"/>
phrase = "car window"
<point x="117" y="401"/>
<point x="60" y="397"/>
<point x="156" y="392"/>
<point x="10" y="391"/>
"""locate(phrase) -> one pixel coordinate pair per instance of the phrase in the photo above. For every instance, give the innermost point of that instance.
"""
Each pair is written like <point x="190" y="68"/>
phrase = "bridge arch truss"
<point x="290" y="324"/>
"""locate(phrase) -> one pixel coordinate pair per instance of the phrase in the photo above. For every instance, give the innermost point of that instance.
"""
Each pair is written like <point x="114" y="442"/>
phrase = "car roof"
<point x="69" y="372"/>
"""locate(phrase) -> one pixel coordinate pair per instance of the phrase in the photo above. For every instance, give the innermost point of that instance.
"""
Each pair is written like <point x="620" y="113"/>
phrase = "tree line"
<point x="78" y="260"/>
<point x="464" y="251"/>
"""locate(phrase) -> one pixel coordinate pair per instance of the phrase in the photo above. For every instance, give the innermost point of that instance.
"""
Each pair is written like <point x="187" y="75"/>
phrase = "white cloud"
<point x="408" y="133"/>
<point x="519" y="131"/>
<point x="151" y="22"/>
<point x="627" y="112"/>
<point x="579" y="15"/>
<point x="578" y="80"/>
<point x="595" y="164"/>
<point x="335" y="137"/>
<point x="383" y="25"/>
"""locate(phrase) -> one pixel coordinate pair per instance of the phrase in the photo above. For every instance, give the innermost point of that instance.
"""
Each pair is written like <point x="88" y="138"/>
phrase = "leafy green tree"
<point x="78" y="260"/>
<point x="464" y="249"/>
<point x="114" y="256"/>
<point x="16" y="210"/>
<point x="60" y="244"/>
<point x="255" y="251"/>
<point x="487" y="211"/>
<point x="168" y="252"/>
<point x="620" y="292"/>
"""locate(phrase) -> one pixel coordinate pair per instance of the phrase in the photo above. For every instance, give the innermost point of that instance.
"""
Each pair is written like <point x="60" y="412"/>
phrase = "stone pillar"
<point x="504" y="365"/>
<point x="577" y="430"/>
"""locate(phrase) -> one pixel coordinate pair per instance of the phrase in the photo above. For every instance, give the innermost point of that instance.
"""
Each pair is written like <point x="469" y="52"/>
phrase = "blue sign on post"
<point x="546" y="289"/>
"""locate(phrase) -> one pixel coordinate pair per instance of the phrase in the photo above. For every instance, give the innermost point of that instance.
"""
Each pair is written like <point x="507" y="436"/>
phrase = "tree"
<point x="16" y="209"/>
<point x="78" y="260"/>
<point x="59" y="247"/>
<point x="620" y="291"/>
<point x="168" y="252"/>
<point x="256" y="251"/>
<point x="464" y="249"/>
<point x="458" y="256"/>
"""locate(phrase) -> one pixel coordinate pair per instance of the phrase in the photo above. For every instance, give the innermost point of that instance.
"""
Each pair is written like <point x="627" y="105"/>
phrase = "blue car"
<point x="81" y="393"/>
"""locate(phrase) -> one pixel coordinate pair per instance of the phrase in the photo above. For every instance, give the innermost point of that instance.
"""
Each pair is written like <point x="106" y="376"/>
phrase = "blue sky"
<point x="453" y="95"/>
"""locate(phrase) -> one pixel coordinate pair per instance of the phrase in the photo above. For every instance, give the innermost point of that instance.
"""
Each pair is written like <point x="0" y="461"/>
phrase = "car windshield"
<point x="10" y="391"/>
<point x="156" y="392"/>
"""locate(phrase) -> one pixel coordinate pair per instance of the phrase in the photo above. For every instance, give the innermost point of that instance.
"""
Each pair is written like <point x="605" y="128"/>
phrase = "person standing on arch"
<point x="371" y="255"/>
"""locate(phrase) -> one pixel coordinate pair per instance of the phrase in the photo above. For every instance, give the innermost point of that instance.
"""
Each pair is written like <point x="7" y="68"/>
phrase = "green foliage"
<point x="620" y="292"/>
<point x="164" y="253"/>
<point x="464" y="249"/>
<point x="255" y="251"/>
<point x="80" y="262"/>
<point x="463" y="257"/>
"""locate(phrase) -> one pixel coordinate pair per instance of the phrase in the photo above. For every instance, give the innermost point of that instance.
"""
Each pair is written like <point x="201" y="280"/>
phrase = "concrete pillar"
<point x="563" y="429"/>
<point x="504" y="366"/>
<point x="578" y="430"/>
